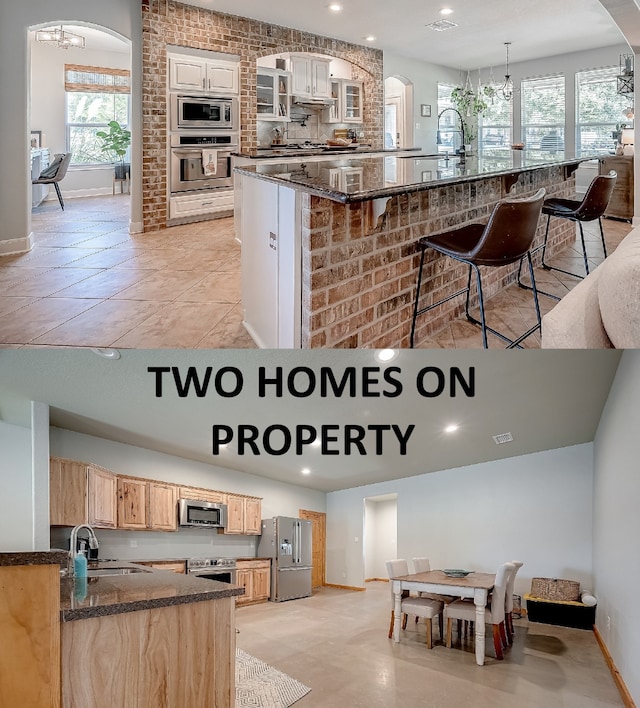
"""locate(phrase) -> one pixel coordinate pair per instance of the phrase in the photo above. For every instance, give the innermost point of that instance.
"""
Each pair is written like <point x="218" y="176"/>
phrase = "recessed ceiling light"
<point x="306" y="470"/>
<point x="386" y="354"/>
<point x="446" y="11"/>
<point x="370" y="38"/>
<point x="451" y="428"/>
<point x="335" y="7"/>
<point x="316" y="443"/>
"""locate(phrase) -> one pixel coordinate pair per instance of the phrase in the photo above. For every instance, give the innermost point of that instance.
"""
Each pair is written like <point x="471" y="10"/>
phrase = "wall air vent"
<point x="502" y="438"/>
<point x="441" y="25"/>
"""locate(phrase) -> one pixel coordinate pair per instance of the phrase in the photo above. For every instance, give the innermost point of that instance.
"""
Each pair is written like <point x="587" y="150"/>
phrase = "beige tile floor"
<point x="88" y="282"/>
<point x="336" y="643"/>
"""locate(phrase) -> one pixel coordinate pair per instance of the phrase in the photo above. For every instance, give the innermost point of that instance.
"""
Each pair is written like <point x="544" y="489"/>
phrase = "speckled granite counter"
<point x="34" y="558"/>
<point x="116" y="594"/>
<point x="360" y="149"/>
<point x="376" y="176"/>
<point x="329" y="248"/>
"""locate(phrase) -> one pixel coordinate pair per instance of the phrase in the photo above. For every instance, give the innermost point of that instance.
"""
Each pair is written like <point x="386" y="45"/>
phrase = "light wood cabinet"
<point x="132" y="503"/>
<point x="255" y="577"/>
<point x="199" y="494"/>
<point x="173" y="566"/>
<point x="147" y="505"/>
<point x="243" y="515"/>
<point x="135" y="658"/>
<point x="81" y="493"/>
<point x="30" y="646"/>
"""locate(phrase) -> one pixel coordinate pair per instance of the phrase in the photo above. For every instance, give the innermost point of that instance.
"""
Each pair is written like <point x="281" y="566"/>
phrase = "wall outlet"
<point x="133" y="543"/>
<point x="418" y="126"/>
<point x="608" y="623"/>
<point x="344" y="575"/>
<point x="355" y="540"/>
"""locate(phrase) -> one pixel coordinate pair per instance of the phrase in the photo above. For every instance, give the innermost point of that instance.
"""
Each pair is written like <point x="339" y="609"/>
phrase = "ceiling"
<point x="535" y="29"/>
<point x="546" y="400"/>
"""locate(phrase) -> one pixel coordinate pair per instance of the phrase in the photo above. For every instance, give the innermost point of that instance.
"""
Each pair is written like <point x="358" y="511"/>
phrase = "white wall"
<point x="48" y="110"/>
<point x="16" y="489"/>
<point x="616" y="560"/>
<point x="122" y="17"/>
<point x="380" y="536"/>
<point x="425" y="78"/>
<point x="535" y="508"/>
<point x="278" y="498"/>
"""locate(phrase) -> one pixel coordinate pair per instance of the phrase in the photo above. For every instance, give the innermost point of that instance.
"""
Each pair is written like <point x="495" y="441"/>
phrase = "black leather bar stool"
<point x="506" y="238"/>
<point x="592" y="207"/>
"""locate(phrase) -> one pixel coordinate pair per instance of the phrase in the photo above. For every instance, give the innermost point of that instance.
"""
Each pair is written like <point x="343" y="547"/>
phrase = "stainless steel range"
<point x="221" y="569"/>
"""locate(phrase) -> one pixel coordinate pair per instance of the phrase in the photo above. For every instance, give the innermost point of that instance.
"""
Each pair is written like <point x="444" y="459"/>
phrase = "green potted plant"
<point x="471" y="106"/>
<point x="116" y="142"/>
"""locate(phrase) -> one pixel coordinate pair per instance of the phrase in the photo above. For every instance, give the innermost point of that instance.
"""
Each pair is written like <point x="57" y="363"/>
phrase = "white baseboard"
<point x="136" y="227"/>
<point x="76" y="193"/>
<point x="11" y="246"/>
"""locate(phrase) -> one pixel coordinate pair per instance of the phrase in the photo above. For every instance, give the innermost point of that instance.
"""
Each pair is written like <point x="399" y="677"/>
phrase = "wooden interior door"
<point x="319" y="544"/>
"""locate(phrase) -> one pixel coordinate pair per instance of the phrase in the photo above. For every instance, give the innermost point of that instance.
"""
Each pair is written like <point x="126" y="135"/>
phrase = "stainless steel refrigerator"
<point x="287" y="542"/>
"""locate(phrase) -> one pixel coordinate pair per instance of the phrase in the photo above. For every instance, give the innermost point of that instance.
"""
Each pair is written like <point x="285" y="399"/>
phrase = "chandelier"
<point x="61" y="38"/>
<point x="506" y="90"/>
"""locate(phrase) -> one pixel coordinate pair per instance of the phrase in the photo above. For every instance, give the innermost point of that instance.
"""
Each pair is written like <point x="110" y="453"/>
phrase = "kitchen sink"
<point x="97" y="572"/>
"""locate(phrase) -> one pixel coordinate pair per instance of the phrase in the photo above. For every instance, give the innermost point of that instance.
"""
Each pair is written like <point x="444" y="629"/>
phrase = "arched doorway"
<point x="73" y="94"/>
<point x="398" y="112"/>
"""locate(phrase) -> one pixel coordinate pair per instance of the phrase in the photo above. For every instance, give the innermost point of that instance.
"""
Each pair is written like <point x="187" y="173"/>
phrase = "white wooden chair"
<point x="422" y="565"/>
<point x="419" y="606"/>
<point x="494" y="614"/>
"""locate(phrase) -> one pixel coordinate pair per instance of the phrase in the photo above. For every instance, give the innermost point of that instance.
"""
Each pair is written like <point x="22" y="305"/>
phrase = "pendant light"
<point x="506" y="89"/>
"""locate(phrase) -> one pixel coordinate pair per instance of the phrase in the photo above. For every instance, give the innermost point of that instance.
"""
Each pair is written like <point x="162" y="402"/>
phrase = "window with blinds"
<point x="94" y="97"/>
<point x="599" y="109"/>
<point x="96" y="79"/>
<point x="543" y="110"/>
<point x="495" y="123"/>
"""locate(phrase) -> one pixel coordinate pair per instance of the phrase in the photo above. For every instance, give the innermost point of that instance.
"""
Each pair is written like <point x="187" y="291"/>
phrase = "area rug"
<point x="259" y="685"/>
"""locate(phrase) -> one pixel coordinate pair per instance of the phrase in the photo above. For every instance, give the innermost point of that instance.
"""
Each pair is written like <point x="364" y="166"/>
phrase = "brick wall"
<point x="166" y="22"/>
<point x="359" y="269"/>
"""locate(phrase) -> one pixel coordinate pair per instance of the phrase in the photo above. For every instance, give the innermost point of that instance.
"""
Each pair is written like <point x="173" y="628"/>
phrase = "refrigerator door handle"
<point x="298" y="541"/>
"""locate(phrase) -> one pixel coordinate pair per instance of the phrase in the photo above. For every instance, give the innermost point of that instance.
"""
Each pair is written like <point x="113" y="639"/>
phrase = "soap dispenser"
<point x="80" y="565"/>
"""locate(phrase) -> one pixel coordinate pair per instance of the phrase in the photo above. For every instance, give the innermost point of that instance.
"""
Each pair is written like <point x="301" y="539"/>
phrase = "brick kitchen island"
<point x="329" y="247"/>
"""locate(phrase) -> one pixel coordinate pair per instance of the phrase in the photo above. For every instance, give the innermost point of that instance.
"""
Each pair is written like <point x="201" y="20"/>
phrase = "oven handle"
<point x="225" y="152"/>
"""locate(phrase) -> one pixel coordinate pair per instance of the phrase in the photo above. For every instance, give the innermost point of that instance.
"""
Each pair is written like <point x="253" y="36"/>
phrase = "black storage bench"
<point x="565" y="613"/>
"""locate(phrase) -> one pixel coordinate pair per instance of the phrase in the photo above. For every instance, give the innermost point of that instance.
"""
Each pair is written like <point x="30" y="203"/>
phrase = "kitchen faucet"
<point x="460" y="150"/>
<point x="73" y="541"/>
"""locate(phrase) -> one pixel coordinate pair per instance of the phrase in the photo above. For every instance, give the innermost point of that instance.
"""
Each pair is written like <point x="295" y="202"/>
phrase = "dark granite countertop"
<point x="82" y="598"/>
<point x="359" y="149"/>
<point x="364" y="177"/>
<point x="34" y="558"/>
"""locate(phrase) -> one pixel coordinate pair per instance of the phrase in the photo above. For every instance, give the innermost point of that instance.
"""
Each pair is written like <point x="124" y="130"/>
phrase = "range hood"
<point x="310" y="102"/>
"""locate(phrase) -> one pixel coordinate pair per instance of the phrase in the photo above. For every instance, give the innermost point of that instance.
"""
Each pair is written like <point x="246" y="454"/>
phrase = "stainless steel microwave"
<point x="201" y="513"/>
<point x="203" y="112"/>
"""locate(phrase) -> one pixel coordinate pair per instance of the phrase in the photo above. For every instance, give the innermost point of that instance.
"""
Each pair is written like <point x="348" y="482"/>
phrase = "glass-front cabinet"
<point x="272" y="93"/>
<point x="352" y="102"/>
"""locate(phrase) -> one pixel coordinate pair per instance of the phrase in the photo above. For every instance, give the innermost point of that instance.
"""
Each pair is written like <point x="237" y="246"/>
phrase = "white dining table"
<point x="475" y="585"/>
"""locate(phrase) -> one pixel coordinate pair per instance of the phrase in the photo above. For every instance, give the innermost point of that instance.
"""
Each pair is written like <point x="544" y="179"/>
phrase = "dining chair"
<point x="494" y="613"/>
<point x="506" y="238"/>
<point x="55" y="173"/>
<point x="508" y="601"/>
<point x="419" y="606"/>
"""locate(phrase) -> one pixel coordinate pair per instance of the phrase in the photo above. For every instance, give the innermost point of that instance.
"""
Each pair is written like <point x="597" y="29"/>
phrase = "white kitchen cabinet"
<point x="311" y="77"/>
<point x="272" y="94"/>
<point x="201" y="203"/>
<point x="351" y="101"/>
<point x="348" y="104"/>
<point x="199" y="75"/>
<point x="270" y="252"/>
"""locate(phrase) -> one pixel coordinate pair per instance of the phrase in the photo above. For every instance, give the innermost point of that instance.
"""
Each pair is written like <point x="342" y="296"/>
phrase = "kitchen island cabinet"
<point x="148" y="639"/>
<point x="340" y="258"/>
<point x="30" y="622"/>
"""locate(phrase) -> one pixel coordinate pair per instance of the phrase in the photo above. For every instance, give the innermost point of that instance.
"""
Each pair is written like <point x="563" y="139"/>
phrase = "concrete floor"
<point x="336" y="643"/>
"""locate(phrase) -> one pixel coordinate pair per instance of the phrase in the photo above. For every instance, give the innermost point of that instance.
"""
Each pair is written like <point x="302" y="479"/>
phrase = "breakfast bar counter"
<point x="329" y="247"/>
